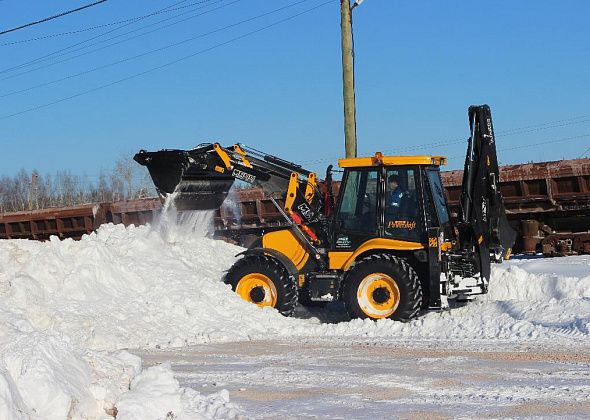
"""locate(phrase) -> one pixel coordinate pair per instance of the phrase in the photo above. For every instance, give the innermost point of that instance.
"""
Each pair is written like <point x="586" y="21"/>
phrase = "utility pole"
<point x="348" y="77"/>
<point x="34" y="179"/>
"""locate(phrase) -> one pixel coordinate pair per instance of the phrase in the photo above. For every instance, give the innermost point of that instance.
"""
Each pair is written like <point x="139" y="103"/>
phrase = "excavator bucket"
<point x="178" y="173"/>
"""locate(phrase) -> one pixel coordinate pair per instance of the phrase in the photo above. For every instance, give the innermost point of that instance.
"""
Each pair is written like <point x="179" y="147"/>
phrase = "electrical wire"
<point x="566" y="139"/>
<point x="168" y="64"/>
<point x="48" y="56"/>
<point x="547" y="123"/>
<point x="104" y="25"/>
<point x="532" y="145"/>
<point x="500" y="134"/>
<point x="123" y="40"/>
<point x="509" y="132"/>
<point x="52" y="17"/>
<point x="175" y="44"/>
<point x="584" y="153"/>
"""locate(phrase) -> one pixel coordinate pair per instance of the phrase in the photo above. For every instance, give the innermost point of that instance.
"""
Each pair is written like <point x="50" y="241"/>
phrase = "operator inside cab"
<point x="401" y="210"/>
<point x="396" y="194"/>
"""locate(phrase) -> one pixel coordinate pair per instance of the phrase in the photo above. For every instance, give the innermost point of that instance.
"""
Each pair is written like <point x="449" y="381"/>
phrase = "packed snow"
<point x="71" y="309"/>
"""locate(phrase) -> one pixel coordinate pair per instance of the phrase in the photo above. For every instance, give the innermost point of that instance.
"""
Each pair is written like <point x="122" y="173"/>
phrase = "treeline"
<point x="30" y="190"/>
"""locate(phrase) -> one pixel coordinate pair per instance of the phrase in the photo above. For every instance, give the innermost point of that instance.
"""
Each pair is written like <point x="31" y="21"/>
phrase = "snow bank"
<point x="156" y="390"/>
<point x="43" y="376"/>
<point x="518" y="281"/>
<point x="527" y="300"/>
<point x="68" y="308"/>
<point x="130" y="287"/>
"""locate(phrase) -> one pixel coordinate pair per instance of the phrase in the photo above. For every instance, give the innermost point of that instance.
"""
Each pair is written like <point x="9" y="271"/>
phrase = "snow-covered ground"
<point x="70" y="311"/>
<point x="376" y="378"/>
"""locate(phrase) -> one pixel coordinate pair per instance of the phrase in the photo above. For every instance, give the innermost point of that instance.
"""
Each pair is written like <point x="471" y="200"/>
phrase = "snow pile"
<point x="541" y="300"/>
<point x="156" y="390"/>
<point x="130" y="287"/>
<point x="137" y="287"/>
<point x="69" y="308"/>
<point x="524" y="281"/>
<point x="43" y="376"/>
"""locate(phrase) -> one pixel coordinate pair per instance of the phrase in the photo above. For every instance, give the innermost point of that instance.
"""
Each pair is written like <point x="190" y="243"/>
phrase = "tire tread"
<point x="285" y="285"/>
<point x="409" y="277"/>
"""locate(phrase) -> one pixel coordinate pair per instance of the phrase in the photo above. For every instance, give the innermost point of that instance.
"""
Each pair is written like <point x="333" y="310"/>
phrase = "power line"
<point x="530" y="145"/>
<point x="104" y="25"/>
<point x="53" y="17"/>
<point x="156" y="49"/>
<point x="500" y="134"/>
<point x="48" y="56"/>
<point x="168" y="64"/>
<point x="124" y="40"/>
<point x="510" y="132"/>
<point x="543" y="143"/>
<point x="547" y="123"/>
<point x="546" y="142"/>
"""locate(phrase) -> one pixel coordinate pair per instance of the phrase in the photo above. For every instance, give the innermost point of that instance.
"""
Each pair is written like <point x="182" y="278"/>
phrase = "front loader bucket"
<point x="201" y="194"/>
<point x="174" y="172"/>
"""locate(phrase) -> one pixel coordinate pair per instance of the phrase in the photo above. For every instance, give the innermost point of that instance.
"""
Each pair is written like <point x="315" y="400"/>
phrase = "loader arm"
<point x="484" y="226"/>
<point x="201" y="178"/>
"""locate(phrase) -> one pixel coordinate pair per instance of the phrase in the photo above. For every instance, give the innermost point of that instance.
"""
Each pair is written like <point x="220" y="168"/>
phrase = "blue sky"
<point x="419" y="65"/>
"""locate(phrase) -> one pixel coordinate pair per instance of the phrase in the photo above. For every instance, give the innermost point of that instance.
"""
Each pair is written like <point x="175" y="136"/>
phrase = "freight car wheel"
<point x="382" y="286"/>
<point x="264" y="281"/>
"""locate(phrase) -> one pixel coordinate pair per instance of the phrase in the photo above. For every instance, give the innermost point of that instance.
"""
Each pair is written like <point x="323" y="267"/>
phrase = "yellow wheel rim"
<point x="378" y="295"/>
<point x="258" y="289"/>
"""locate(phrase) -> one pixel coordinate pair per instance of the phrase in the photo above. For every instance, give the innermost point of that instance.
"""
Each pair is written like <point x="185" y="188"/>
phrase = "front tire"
<point x="382" y="286"/>
<point x="264" y="281"/>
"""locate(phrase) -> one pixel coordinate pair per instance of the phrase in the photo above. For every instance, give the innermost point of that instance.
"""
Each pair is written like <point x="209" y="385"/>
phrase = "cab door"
<point x="402" y="209"/>
<point x="357" y="215"/>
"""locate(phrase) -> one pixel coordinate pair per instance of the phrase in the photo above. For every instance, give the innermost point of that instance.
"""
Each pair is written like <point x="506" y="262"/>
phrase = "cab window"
<point x="358" y="208"/>
<point x="402" y="217"/>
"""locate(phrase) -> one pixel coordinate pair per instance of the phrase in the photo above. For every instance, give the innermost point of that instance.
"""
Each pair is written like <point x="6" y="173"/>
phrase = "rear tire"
<point x="264" y="281"/>
<point x="382" y="286"/>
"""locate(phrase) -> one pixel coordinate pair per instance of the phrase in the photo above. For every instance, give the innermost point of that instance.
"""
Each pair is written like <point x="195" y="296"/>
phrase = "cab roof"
<point x="379" y="159"/>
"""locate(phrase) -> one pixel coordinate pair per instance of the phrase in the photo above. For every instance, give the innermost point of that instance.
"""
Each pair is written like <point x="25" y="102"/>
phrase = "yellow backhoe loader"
<point x="387" y="246"/>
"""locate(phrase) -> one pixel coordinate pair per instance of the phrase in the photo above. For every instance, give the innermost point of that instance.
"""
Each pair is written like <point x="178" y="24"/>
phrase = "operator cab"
<point x="390" y="197"/>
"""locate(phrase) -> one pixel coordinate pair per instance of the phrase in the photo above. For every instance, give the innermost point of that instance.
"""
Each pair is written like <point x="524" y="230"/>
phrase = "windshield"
<point x="358" y="209"/>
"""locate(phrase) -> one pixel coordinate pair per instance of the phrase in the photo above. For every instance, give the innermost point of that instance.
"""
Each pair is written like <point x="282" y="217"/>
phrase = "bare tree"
<point x="31" y="190"/>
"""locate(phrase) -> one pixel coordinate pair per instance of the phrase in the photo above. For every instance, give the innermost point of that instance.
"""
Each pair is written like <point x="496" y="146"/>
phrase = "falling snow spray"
<point x="231" y="206"/>
<point x="174" y="225"/>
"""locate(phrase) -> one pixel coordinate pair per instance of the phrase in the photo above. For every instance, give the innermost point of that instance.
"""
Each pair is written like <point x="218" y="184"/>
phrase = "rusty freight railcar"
<point x="75" y="221"/>
<point x="547" y="202"/>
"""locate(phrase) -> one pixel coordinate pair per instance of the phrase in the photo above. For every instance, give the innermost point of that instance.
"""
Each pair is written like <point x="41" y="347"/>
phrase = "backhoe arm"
<point x="483" y="225"/>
